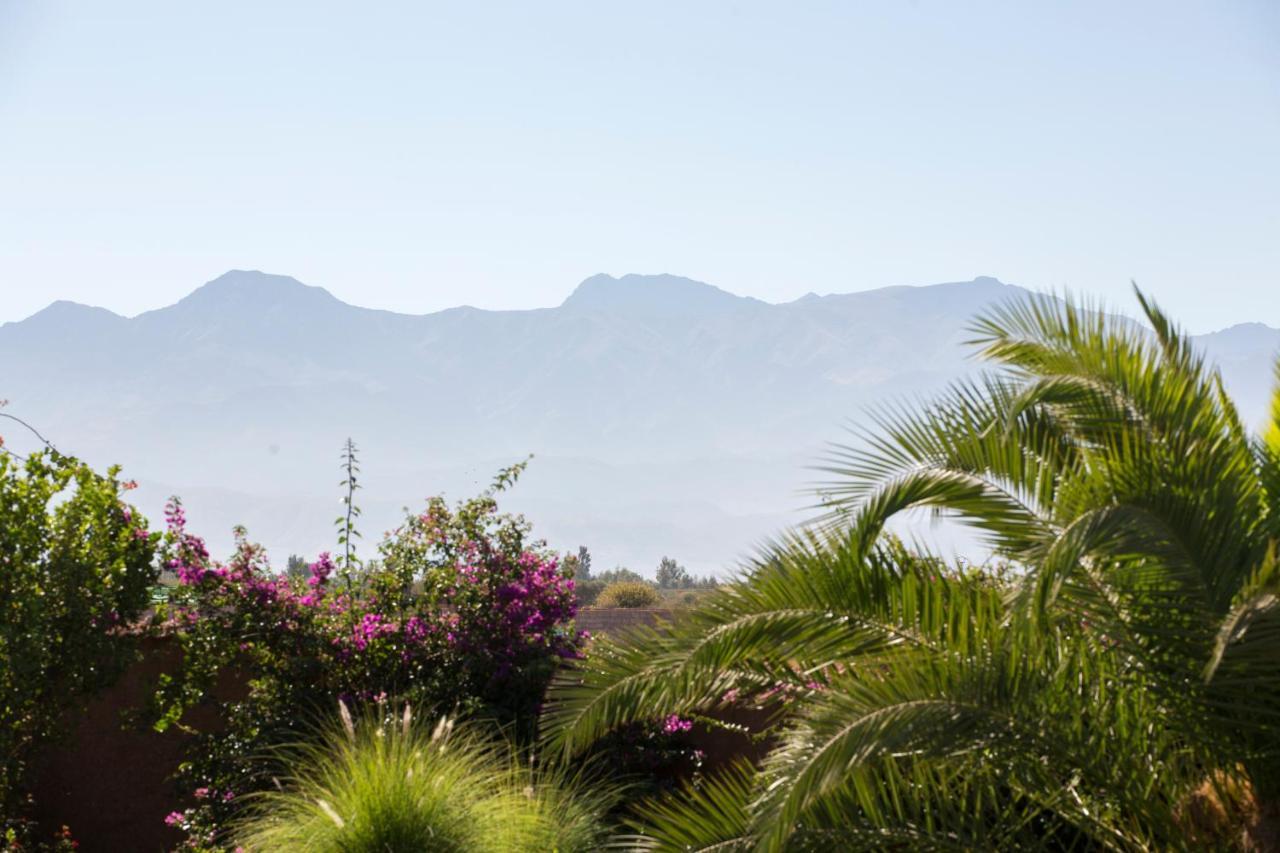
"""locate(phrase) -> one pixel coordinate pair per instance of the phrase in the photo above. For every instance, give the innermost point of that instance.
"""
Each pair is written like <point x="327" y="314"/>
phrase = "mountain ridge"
<point x="637" y="393"/>
<point x="598" y="291"/>
<point x="248" y="284"/>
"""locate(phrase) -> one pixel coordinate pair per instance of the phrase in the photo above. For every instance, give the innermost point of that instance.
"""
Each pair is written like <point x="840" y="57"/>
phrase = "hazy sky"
<point x="420" y="155"/>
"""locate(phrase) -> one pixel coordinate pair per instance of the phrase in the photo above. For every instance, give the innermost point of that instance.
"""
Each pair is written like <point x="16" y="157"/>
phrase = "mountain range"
<point x="666" y="416"/>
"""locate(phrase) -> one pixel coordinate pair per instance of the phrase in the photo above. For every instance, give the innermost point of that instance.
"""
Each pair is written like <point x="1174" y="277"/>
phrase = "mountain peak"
<point x="652" y="294"/>
<point x="67" y="314"/>
<point x="980" y="283"/>
<point x="257" y="289"/>
<point x="1249" y="327"/>
<point x="1246" y="337"/>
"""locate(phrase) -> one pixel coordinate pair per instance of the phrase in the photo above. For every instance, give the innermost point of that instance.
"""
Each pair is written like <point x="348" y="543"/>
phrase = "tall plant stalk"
<point x="346" y="523"/>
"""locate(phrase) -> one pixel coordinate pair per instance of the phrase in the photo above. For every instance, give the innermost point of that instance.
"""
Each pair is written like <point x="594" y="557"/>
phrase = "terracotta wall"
<point x="108" y="776"/>
<point x="603" y="620"/>
<point x="107" y="783"/>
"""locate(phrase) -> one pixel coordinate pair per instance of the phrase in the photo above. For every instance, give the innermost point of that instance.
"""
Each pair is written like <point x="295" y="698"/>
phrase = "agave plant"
<point x="1130" y="661"/>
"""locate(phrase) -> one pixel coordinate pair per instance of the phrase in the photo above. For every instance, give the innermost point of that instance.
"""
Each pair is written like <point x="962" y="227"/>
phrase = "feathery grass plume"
<point x="382" y="785"/>
<point x="348" y="725"/>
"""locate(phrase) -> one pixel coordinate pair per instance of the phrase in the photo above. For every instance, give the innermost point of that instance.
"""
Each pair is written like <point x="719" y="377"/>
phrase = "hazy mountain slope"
<point x="1246" y="353"/>
<point x="669" y="416"/>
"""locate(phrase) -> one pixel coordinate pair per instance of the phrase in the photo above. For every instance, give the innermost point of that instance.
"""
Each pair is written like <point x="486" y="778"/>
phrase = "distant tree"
<point x="296" y="567"/>
<point x="579" y="565"/>
<point x="672" y="575"/>
<point x="621" y="574"/>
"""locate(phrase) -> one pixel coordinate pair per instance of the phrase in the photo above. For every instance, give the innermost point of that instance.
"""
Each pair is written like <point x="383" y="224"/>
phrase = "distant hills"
<point x="668" y="416"/>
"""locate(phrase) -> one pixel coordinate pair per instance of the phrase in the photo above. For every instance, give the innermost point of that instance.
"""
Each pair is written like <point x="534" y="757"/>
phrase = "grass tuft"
<point x="395" y="785"/>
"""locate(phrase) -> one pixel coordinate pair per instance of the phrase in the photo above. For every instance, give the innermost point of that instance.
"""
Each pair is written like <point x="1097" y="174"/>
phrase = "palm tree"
<point x="1129" y="661"/>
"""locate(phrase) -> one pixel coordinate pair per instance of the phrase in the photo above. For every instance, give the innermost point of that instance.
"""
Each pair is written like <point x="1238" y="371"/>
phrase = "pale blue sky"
<point x="419" y="155"/>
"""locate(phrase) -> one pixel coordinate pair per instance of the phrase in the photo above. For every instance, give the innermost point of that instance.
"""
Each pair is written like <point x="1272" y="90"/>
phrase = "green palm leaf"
<point x="1072" y="706"/>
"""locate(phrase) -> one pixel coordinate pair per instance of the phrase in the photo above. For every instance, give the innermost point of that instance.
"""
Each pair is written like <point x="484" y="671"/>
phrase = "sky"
<point x="416" y="156"/>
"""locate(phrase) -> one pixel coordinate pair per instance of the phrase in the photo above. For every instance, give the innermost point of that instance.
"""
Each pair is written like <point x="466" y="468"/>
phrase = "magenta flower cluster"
<point x="189" y="558"/>
<point x="490" y="615"/>
<point x="675" y="724"/>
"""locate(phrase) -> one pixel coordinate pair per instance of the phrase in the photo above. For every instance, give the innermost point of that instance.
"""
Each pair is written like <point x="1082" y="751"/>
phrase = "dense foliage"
<point x="628" y="594"/>
<point x="462" y="613"/>
<point x="588" y="592"/>
<point x="1119" y="690"/>
<point x="76" y="568"/>
<point x="387" y="784"/>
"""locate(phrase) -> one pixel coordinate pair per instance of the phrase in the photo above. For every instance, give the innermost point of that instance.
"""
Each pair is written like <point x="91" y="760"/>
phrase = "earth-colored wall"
<point x="603" y="620"/>
<point x="107" y="778"/>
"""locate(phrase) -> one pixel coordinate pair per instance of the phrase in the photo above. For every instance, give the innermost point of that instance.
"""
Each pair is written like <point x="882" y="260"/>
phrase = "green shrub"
<point x="588" y="592"/>
<point x="76" y="566"/>
<point x="629" y="594"/>
<point x="388" y="785"/>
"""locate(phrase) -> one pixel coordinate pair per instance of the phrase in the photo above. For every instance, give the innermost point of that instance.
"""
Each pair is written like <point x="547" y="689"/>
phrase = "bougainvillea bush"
<point x="462" y="613"/>
<point x="76" y="569"/>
